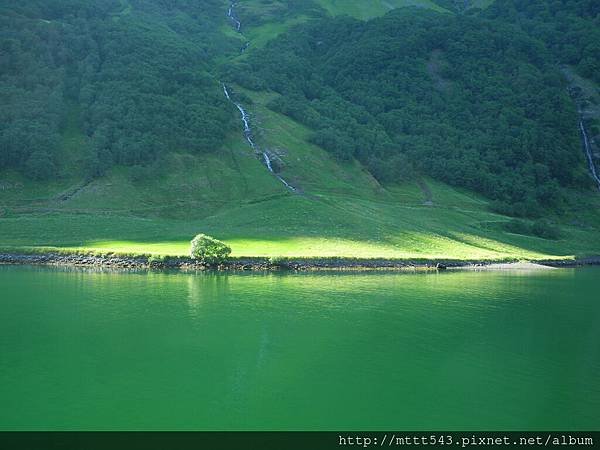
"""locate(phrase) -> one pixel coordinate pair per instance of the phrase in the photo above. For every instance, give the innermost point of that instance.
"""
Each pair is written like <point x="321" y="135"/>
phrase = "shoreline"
<point x="282" y="264"/>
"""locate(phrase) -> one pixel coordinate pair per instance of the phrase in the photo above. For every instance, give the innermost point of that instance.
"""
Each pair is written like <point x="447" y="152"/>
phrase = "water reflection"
<point x="85" y="349"/>
<point x="204" y="288"/>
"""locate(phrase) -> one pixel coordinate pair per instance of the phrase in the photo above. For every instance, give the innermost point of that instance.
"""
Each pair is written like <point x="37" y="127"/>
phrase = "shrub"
<point x="157" y="259"/>
<point x="39" y="166"/>
<point x="540" y="228"/>
<point x="209" y="250"/>
<point x="546" y="230"/>
<point x="138" y="173"/>
<point x="277" y="261"/>
<point x="518" y="227"/>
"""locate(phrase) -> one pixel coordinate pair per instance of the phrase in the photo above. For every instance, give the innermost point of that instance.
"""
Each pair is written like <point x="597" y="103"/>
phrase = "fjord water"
<point x="85" y="349"/>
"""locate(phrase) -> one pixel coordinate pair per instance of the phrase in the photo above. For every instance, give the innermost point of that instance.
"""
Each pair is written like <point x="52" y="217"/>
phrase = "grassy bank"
<point x="399" y="225"/>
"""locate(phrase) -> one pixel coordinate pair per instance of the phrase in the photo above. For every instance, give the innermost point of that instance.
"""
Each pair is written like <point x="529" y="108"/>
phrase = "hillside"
<point x="467" y="102"/>
<point x="129" y="144"/>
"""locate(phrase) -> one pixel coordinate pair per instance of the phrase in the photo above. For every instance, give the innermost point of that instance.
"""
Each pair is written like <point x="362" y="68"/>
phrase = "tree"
<point x="66" y="67"/>
<point x="473" y="102"/>
<point x="39" y="166"/>
<point x="209" y="250"/>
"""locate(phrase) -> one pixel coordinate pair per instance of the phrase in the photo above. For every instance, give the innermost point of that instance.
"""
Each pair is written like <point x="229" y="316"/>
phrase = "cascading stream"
<point x="231" y="15"/>
<point x="237" y="24"/>
<point x="248" y="135"/>
<point x="588" y="152"/>
<point x="245" y="117"/>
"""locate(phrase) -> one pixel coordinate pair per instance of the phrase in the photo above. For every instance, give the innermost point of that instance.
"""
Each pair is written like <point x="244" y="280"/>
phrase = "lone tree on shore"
<point x="209" y="250"/>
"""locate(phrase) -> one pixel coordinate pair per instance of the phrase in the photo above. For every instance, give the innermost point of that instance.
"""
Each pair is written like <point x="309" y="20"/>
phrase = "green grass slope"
<point x="397" y="226"/>
<point x="340" y="210"/>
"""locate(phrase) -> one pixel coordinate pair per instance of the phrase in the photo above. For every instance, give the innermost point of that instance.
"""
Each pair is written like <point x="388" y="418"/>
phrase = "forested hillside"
<point x="406" y="128"/>
<point x="465" y="100"/>
<point x="135" y="74"/>
<point x="570" y="28"/>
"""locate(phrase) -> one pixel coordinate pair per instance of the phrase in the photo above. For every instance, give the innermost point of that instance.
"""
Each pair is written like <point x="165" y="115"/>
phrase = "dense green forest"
<point x="137" y="73"/>
<point x="474" y="98"/>
<point x="473" y="102"/>
<point x="569" y="28"/>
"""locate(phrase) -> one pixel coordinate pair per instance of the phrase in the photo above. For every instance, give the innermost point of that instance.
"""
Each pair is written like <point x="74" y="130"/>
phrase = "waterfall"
<point x="290" y="187"/>
<point x="588" y="152"/>
<point x="247" y="130"/>
<point x="270" y="167"/>
<point x="268" y="162"/>
<point x="248" y="135"/>
<point x="244" y="115"/>
<point x="231" y="15"/>
<point x="245" y="118"/>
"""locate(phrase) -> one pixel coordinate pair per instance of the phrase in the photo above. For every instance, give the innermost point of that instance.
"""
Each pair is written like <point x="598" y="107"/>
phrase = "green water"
<point x="463" y="350"/>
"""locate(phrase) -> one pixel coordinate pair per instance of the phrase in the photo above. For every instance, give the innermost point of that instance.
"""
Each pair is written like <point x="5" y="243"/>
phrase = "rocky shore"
<point x="264" y="264"/>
